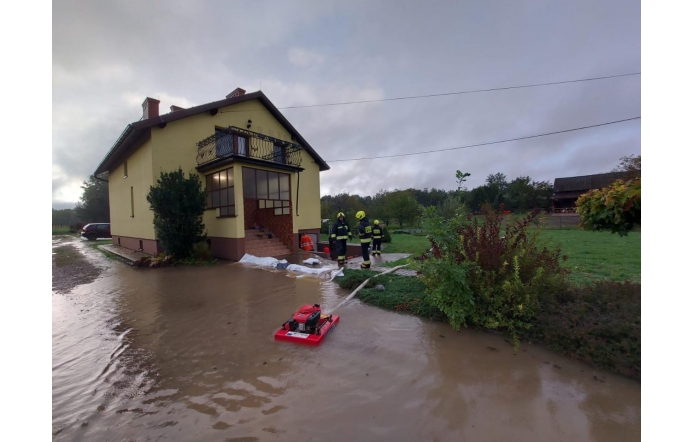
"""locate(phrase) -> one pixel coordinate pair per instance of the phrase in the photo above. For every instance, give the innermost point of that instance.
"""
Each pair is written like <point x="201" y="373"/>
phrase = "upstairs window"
<point x="228" y="144"/>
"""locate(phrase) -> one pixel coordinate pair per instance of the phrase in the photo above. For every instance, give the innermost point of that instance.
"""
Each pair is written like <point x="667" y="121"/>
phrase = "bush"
<point x="201" y="251"/>
<point x="599" y="324"/>
<point x="178" y="204"/>
<point x="387" y="235"/>
<point x="616" y="208"/>
<point x="475" y="275"/>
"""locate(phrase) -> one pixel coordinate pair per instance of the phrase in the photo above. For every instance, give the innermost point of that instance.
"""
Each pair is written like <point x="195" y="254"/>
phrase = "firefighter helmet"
<point x="360" y="214"/>
<point x="340" y="214"/>
<point x="376" y="222"/>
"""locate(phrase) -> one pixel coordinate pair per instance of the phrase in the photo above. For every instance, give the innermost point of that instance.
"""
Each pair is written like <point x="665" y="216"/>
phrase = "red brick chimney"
<point x="236" y="93"/>
<point x="150" y="108"/>
<point x="175" y="108"/>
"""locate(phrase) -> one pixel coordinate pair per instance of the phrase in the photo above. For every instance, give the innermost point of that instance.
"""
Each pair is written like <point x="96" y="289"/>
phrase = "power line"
<point x="474" y="91"/>
<point x="485" y="144"/>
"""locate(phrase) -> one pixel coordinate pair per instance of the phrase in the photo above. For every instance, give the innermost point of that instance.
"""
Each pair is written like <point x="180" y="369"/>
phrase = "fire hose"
<point x="361" y="286"/>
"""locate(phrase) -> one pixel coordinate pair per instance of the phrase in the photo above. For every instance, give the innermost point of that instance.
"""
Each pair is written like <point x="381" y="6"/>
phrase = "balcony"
<point x="237" y="144"/>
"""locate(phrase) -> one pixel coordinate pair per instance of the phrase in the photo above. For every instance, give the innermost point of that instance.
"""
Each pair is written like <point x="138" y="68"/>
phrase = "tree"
<point x="616" y="208"/>
<point x="178" y="204"/>
<point x="461" y="178"/>
<point x="93" y="206"/>
<point x="402" y="206"/>
<point x="63" y="217"/>
<point x="630" y="163"/>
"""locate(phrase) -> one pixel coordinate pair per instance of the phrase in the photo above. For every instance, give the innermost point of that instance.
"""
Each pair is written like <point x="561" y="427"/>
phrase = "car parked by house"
<point x="93" y="231"/>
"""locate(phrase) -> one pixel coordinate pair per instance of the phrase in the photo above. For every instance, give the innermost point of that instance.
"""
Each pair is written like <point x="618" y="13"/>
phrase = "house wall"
<point x="309" y="214"/>
<point x="174" y="146"/>
<point x="140" y="225"/>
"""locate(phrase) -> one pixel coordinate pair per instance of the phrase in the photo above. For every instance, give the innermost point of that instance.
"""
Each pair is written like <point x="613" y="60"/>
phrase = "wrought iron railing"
<point x="241" y="143"/>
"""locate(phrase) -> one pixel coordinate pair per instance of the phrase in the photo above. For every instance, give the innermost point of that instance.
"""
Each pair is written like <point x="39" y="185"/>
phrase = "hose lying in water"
<point x="351" y="295"/>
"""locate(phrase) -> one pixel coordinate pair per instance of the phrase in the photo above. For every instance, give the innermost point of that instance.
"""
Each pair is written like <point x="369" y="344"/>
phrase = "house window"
<point x="228" y="144"/>
<point x="132" y="203"/>
<point x="279" y="154"/>
<point x="271" y="189"/>
<point x="125" y="169"/>
<point x="220" y="189"/>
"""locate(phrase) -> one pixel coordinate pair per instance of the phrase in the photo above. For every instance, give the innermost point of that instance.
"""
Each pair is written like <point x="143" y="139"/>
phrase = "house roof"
<point x="589" y="182"/>
<point x="136" y="131"/>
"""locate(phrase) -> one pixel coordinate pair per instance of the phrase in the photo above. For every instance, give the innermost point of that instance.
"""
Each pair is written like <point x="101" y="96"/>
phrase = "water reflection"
<point x="188" y="354"/>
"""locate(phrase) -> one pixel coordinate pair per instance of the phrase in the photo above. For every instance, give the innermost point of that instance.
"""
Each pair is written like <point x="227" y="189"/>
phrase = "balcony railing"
<point x="235" y="142"/>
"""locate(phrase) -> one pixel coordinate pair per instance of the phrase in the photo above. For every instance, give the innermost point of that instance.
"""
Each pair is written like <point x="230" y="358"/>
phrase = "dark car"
<point x="94" y="231"/>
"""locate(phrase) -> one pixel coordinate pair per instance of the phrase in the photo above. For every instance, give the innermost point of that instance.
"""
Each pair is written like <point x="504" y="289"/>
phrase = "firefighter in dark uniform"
<point x="365" y="229"/>
<point x="339" y="236"/>
<point x="377" y="234"/>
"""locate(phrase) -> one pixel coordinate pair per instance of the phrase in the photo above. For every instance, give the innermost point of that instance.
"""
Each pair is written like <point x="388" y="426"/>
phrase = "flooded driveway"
<point x="187" y="353"/>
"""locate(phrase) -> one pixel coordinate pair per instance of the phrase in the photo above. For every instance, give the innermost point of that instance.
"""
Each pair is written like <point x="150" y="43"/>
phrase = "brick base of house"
<point x="149" y="246"/>
<point x="227" y="248"/>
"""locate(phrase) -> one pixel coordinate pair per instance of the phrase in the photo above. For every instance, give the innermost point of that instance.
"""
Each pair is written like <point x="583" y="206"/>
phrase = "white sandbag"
<point x="311" y="261"/>
<point x="305" y="269"/>
<point x="264" y="261"/>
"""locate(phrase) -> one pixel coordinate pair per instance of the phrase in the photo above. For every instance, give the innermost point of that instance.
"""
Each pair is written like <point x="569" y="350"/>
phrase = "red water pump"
<point x="307" y="326"/>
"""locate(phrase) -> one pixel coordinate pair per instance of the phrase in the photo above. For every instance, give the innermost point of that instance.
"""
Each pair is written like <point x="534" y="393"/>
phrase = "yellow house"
<point x="256" y="168"/>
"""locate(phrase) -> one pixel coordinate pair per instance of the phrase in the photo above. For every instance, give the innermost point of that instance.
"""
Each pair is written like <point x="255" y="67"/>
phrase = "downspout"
<point x="296" y="210"/>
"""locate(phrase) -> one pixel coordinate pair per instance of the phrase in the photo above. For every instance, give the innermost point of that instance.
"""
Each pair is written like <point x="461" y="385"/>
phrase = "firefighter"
<point x="340" y="233"/>
<point x="377" y="234"/>
<point x="365" y="229"/>
<point x="307" y="244"/>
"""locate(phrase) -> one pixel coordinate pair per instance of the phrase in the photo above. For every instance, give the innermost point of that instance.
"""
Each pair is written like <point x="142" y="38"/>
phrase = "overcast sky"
<point x="109" y="56"/>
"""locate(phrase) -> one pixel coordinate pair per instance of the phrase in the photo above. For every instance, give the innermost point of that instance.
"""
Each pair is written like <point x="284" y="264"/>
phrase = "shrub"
<point x="178" y="204"/>
<point x="387" y="235"/>
<point x="599" y="324"/>
<point x="476" y="275"/>
<point x="201" y="251"/>
<point x="616" y="208"/>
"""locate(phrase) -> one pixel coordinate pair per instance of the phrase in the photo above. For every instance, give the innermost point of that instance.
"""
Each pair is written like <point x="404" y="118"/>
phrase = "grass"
<point x="95" y="245"/>
<point x="596" y="256"/>
<point x="592" y="256"/>
<point x="61" y="230"/>
<point x="401" y="293"/>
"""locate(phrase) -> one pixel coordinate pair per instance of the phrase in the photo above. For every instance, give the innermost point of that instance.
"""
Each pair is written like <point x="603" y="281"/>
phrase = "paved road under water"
<point x="187" y="353"/>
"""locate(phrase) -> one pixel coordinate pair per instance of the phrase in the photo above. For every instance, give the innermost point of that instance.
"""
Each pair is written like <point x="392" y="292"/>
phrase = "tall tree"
<point x="178" y="204"/>
<point x="94" y="202"/>
<point x="630" y="163"/>
<point x="402" y="206"/>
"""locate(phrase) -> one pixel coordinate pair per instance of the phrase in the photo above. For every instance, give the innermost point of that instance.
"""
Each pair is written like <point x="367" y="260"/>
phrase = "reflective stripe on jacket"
<point x="376" y="232"/>
<point x="341" y="230"/>
<point x="365" y="229"/>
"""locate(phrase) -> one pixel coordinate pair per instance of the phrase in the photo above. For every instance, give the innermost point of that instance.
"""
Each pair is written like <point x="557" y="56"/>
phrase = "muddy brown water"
<point x="187" y="353"/>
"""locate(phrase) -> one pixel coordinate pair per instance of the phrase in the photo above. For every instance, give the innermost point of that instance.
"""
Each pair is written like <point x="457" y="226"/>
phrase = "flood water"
<point x="187" y="353"/>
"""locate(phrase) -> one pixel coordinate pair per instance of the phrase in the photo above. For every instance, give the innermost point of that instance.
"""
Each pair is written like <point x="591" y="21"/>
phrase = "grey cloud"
<point x="109" y="56"/>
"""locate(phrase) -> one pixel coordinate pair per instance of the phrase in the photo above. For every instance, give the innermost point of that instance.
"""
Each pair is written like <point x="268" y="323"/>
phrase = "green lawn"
<point x="591" y="256"/>
<point x="599" y="255"/>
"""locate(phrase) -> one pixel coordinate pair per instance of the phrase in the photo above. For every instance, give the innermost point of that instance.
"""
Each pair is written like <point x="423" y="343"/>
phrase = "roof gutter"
<point x="126" y="132"/>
